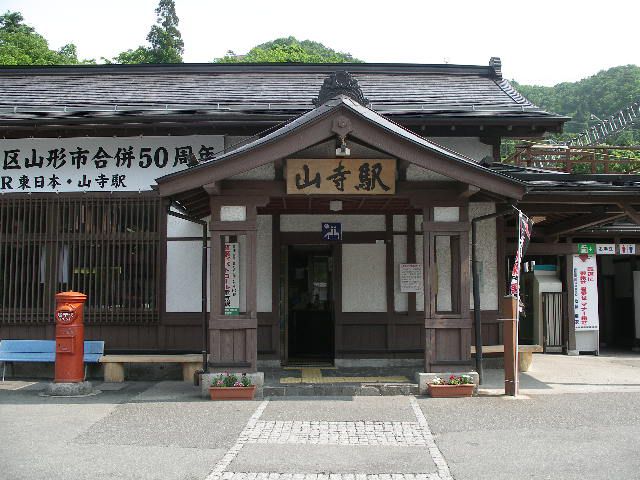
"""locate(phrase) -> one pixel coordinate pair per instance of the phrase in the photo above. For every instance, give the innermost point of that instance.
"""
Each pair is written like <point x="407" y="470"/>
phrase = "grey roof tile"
<point x="392" y="89"/>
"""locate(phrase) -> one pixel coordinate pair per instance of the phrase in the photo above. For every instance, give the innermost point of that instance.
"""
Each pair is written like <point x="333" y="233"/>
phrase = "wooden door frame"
<point x="336" y="280"/>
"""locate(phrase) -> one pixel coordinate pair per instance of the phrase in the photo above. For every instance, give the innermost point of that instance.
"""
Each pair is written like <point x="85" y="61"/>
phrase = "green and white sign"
<point x="586" y="248"/>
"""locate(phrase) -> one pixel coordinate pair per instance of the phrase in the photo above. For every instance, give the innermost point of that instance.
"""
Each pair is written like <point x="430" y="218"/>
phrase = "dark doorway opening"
<point x="616" y="292"/>
<point x="310" y="319"/>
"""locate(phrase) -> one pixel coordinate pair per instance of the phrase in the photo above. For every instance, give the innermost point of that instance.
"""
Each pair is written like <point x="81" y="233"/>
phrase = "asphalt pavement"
<point x="573" y="427"/>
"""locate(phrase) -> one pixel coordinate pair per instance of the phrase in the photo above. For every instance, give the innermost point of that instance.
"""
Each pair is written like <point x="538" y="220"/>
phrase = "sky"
<point x="540" y="42"/>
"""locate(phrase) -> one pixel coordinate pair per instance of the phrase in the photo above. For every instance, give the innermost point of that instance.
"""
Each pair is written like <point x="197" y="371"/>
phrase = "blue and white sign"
<point x="332" y="231"/>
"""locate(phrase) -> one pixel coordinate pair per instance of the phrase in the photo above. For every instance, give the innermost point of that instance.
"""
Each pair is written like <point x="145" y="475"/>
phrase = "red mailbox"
<point x="69" y="337"/>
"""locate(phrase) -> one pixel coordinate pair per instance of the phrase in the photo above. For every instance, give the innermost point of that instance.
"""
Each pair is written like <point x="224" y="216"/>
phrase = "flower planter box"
<point x="232" y="393"/>
<point x="449" y="391"/>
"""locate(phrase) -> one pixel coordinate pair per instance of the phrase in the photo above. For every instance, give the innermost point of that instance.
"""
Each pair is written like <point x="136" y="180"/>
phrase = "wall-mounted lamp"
<point x="342" y="150"/>
<point x="335" y="205"/>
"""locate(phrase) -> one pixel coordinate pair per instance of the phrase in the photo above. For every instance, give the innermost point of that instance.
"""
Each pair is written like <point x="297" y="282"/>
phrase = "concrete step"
<point x="340" y="389"/>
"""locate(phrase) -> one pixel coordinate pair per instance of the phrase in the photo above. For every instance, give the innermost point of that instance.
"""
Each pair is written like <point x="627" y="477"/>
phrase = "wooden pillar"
<point x="233" y="338"/>
<point x="508" y="313"/>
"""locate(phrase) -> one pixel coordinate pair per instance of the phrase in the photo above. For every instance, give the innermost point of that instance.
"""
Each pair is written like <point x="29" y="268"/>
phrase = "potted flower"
<point x="454" y="386"/>
<point x="227" y="386"/>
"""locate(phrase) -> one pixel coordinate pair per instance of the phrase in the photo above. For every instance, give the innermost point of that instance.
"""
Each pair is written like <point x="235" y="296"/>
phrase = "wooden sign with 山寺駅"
<point x="341" y="176"/>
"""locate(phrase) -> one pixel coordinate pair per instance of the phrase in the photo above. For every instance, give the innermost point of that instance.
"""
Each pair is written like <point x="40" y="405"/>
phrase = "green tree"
<point x="20" y="44"/>
<point x="598" y="96"/>
<point x="292" y="50"/>
<point x="166" y="45"/>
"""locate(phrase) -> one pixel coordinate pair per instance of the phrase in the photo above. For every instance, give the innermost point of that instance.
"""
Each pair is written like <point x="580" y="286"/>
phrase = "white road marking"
<point x="228" y="457"/>
<point x="434" y="451"/>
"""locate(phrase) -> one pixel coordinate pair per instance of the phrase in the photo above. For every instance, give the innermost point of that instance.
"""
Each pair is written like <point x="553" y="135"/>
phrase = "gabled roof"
<point x="318" y="125"/>
<point x="223" y="91"/>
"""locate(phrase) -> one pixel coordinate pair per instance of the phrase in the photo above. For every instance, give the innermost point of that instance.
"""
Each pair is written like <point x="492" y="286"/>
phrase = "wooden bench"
<point x="114" y="364"/>
<point x="525" y="353"/>
<point x="43" y="351"/>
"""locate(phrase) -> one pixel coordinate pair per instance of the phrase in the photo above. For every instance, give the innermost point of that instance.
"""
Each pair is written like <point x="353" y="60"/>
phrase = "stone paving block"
<point x="323" y="459"/>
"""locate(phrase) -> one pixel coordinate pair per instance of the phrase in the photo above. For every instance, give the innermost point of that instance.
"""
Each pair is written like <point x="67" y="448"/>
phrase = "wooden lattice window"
<point x="104" y="246"/>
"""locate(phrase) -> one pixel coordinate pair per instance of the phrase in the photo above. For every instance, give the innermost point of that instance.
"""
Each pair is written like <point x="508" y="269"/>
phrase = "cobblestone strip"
<point x="434" y="451"/>
<point x="328" y="476"/>
<point x="228" y="457"/>
<point x="340" y="433"/>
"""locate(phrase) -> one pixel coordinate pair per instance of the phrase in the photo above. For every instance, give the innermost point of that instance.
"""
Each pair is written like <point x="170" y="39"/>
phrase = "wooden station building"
<point x="336" y="207"/>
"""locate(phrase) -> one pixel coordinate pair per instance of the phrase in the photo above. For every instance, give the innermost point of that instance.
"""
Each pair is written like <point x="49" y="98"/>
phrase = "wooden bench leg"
<point x="189" y="370"/>
<point x="524" y="360"/>
<point x="114" y="372"/>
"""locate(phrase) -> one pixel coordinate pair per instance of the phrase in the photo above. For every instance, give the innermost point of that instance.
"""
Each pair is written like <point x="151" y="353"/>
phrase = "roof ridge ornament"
<point x="496" y="64"/>
<point x="340" y="82"/>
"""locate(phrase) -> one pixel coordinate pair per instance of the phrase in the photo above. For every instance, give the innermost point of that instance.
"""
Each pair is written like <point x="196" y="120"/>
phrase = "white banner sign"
<point x="231" y="279"/>
<point x="97" y="163"/>
<point x="585" y="292"/>
<point x="411" y="279"/>
<point x="606" y="248"/>
<point x="627" y="249"/>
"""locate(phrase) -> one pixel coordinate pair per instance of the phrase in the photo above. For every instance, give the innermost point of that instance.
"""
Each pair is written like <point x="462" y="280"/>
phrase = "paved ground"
<point x="550" y="374"/>
<point x="572" y="427"/>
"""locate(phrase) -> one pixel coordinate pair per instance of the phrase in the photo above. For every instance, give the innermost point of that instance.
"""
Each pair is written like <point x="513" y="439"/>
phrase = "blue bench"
<point x="43" y="351"/>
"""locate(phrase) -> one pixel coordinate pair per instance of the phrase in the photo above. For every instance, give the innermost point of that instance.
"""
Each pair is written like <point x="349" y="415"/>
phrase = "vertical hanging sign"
<point x="231" y="281"/>
<point x="524" y="236"/>
<point x="585" y="292"/>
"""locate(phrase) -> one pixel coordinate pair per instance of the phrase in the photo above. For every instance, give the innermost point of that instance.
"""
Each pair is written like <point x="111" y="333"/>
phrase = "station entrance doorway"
<point x="309" y="305"/>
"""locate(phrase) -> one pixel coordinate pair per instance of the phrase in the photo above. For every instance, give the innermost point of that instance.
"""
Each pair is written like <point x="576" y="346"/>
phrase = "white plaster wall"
<point x="265" y="172"/>
<point x="264" y="263"/>
<point x="487" y="254"/>
<point x="184" y="284"/>
<point x="400" y="300"/>
<point x="177" y="227"/>
<point x="446" y="214"/>
<point x="350" y="223"/>
<point x="469" y="146"/>
<point x="399" y="223"/>
<point x="417" y="174"/>
<point x="443" y="277"/>
<point x="364" y="278"/>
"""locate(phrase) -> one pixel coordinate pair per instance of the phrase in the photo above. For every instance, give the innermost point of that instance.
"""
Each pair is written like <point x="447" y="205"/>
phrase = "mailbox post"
<point x="69" y="319"/>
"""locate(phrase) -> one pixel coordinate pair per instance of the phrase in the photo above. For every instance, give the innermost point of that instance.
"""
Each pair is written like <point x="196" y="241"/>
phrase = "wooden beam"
<point x="580" y="222"/>
<point x="563" y="207"/>
<point x="468" y="191"/>
<point x="544" y="248"/>
<point x="631" y="212"/>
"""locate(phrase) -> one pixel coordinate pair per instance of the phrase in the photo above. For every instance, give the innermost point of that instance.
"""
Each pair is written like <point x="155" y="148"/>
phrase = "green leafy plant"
<point x="453" y="380"/>
<point x="227" y="379"/>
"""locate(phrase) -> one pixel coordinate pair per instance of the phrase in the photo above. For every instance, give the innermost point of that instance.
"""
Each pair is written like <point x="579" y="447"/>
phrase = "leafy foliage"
<point x="453" y="380"/>
<point x="231" y="380"/>
<point x="20" y="44"/>
<point x="600" y="95"/>
<point x="291" y="50"/>
<point x="166" y="44"/>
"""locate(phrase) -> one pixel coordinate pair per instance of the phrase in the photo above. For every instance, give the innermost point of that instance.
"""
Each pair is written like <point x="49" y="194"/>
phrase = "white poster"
<point x="606" y="248"/>
<point x="627" y="249"/>
<point x="231" y="279"/>
<point x="585" y="292"/>
<point x="97" y="164"/>
<point x="411" y="279"/>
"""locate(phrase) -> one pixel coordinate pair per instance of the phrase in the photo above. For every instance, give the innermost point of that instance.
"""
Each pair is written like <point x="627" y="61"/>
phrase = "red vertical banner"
<point x="525" y="226"/>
